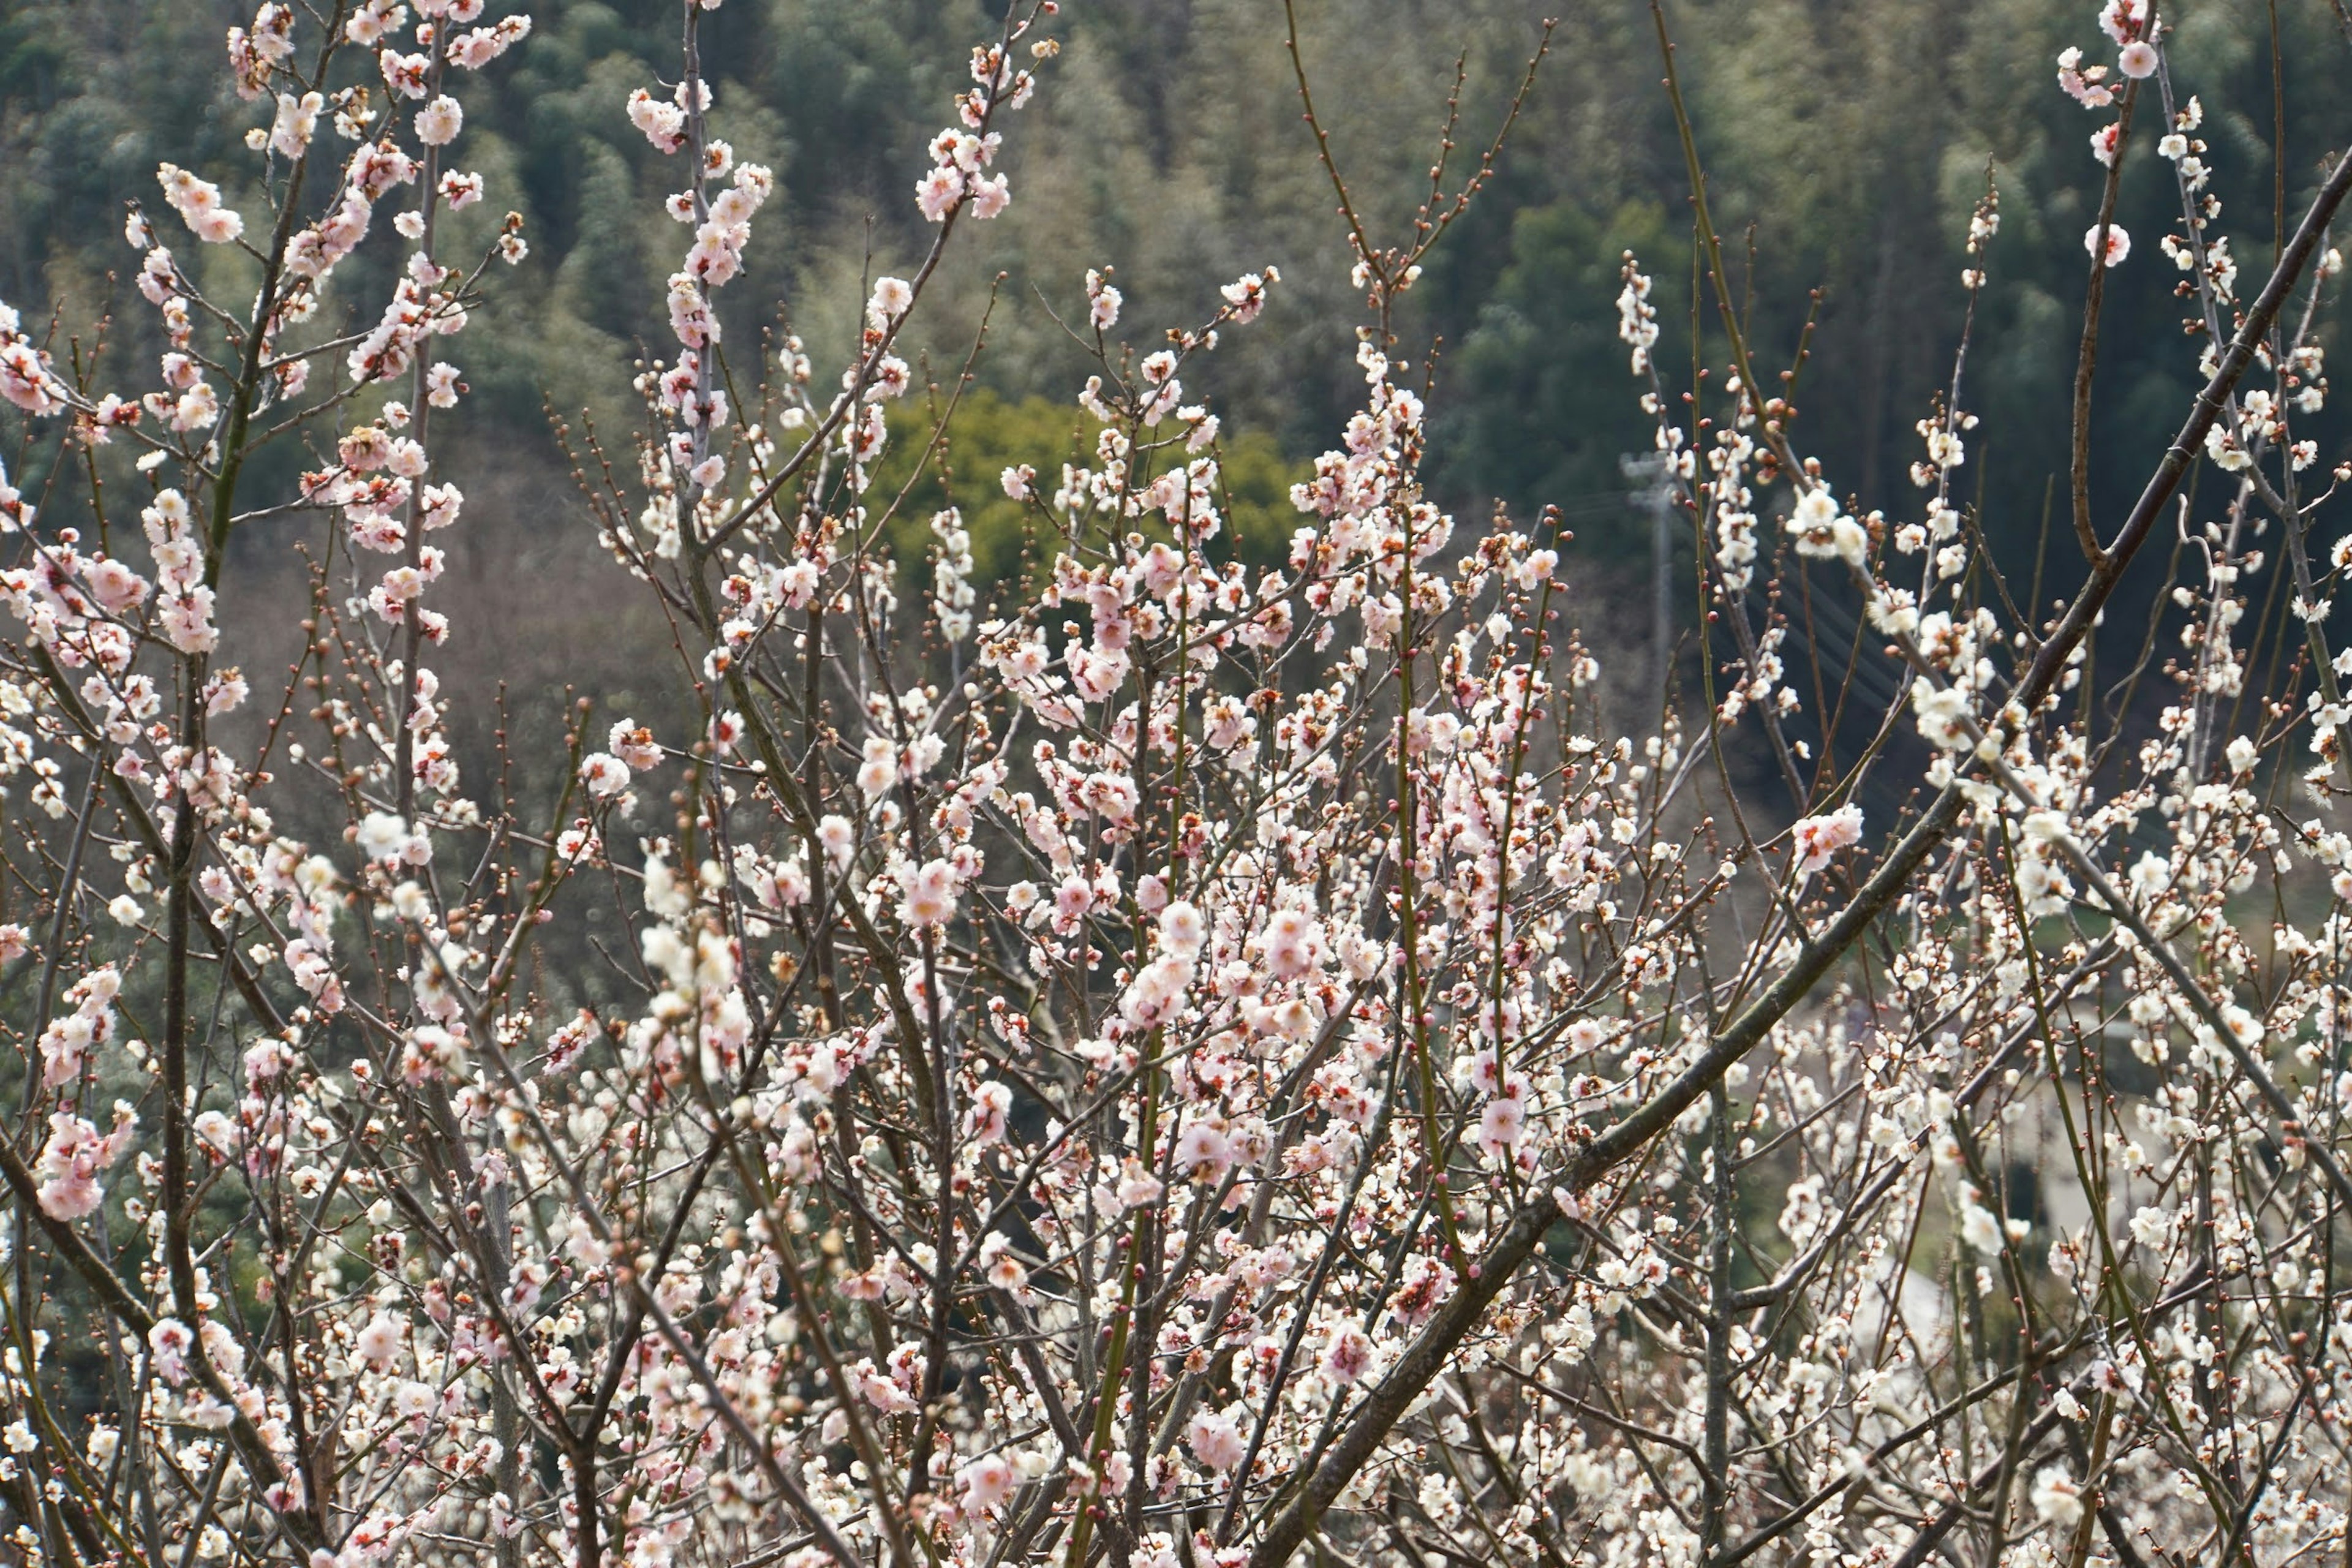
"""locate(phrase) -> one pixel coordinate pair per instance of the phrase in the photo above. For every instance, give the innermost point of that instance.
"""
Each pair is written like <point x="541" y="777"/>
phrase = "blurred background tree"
<point x="1847" y="141"/>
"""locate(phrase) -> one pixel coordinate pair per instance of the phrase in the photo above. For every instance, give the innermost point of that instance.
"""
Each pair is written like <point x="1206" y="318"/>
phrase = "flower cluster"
<point x="963" y="153"/>
<point x="1201" y="1049"/>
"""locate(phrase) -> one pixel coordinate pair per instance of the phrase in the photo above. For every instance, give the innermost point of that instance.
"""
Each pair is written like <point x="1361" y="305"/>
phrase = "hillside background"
<point x="1846" y="142"/>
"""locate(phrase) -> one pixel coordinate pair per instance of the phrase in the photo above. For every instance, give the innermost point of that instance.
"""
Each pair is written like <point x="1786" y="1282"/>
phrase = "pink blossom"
<point x="379" y="1343"/>
<point x="1817" y="838"/>
<point x="1215" y="1440"/>
<point x="2118" y="244"/>
<point x="1348" y="1353"/>
<point x="69" y="1168"/>
<point x="604" y="774"/>
<point x="1203" y="1152"/>
<point x="987" y="1482"/>
<point x="1500" y="1126"/>
<point x="939" y="192"/>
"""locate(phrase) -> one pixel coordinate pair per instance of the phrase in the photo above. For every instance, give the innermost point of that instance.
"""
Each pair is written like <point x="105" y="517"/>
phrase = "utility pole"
<point x="1652" y="491"/>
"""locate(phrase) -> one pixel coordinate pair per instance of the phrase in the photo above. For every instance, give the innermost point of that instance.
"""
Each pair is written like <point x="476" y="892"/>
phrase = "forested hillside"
<point x="1847" y="141"/>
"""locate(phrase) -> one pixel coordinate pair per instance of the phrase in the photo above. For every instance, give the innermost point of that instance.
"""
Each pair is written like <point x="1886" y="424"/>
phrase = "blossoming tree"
<point x="1158" y="1061"/>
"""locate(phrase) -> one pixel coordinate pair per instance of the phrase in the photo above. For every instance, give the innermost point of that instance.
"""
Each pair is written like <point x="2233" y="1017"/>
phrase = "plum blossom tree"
<point x="1159" y="1061"/>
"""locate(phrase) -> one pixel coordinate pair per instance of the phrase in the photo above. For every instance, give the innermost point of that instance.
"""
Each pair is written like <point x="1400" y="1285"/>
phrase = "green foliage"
<point x="1845" y="142"/>
<point x="989" y="434"/>
<point x="1549" y="413"/>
